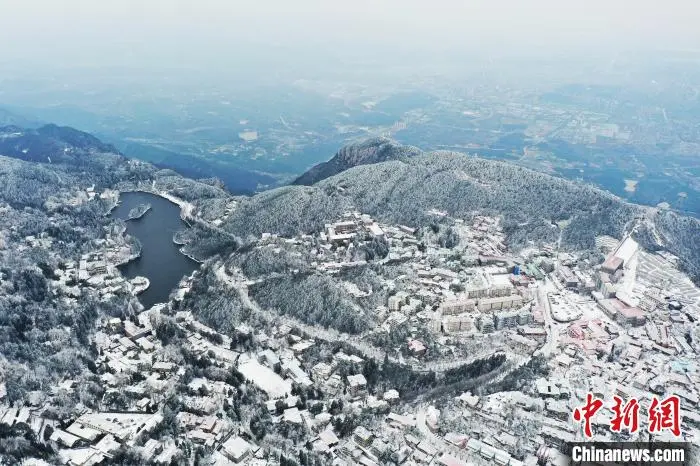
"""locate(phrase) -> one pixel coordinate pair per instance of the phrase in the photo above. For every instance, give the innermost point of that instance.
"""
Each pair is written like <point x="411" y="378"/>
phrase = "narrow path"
<point x="238" y="282"/>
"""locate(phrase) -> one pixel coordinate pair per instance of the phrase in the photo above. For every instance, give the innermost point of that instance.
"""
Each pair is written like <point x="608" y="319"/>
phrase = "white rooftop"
<point x="236" y="448"/>
<point x="266" y="379"/>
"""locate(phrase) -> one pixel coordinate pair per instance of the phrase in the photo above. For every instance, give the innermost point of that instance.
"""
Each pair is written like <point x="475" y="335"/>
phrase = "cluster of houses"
<point x="474" y="288"/>
<point x="646" y="339"/>
<point x="609" y="337"/>
<point x="419" y="438"/>
<point x="628" y="338"/>
<point x="97" y="271"/>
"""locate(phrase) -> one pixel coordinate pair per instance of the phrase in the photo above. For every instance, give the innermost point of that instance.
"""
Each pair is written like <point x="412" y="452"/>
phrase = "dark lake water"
<point x="161" y="261"/>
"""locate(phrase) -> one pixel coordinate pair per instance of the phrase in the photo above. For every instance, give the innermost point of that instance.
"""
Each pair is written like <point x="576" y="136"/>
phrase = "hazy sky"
<point x="174" y="31"/>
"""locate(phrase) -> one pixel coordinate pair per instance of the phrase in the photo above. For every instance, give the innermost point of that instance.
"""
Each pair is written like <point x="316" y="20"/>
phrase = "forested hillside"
<point x="50" y="221"/>
<point x="50" y="143"/>
<point x="405" y="192"/>
<point x="681" y="236"/>
<point x="37" y="329"/>
<point x="533" y="206"/>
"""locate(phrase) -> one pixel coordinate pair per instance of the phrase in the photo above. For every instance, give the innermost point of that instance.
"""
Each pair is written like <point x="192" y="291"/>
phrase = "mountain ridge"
<point x="369" y="151"/>
<point x="405" y="186"/>
<point x="50" y="143"/>
<point x="407" y="190"/>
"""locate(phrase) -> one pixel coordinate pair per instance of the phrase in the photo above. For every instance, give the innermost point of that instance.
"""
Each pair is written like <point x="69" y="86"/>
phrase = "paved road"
<point x="236" y="280"/>
<point x="552" y="331"/>
<point x="186" y="210"/>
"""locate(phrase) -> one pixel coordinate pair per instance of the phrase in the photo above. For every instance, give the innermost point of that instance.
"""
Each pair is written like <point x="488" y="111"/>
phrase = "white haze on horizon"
<point x="127" y="29"/>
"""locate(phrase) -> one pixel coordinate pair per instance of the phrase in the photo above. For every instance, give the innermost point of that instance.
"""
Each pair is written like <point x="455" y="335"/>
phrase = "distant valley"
<point x="403" y="184"/>
<point x="634" y="139"/>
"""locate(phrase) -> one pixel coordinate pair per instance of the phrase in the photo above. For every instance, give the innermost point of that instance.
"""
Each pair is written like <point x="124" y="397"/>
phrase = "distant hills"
<point x="50" y="143"/>
<point x="236" y="180"/>
<point x="9" y="118"/>
<point x="62" y="144"/>
<point x="397" y="184"/>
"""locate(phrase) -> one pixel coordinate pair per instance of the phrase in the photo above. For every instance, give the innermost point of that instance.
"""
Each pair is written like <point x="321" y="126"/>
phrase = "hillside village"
<point x="538" y="331"/>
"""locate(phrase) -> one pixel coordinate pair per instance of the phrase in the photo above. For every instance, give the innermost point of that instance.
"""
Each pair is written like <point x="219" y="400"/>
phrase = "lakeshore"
<point x="160" y="259"/>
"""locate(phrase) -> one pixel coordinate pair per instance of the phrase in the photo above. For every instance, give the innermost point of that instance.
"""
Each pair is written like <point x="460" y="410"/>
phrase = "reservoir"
<point x="161" y="260"/>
